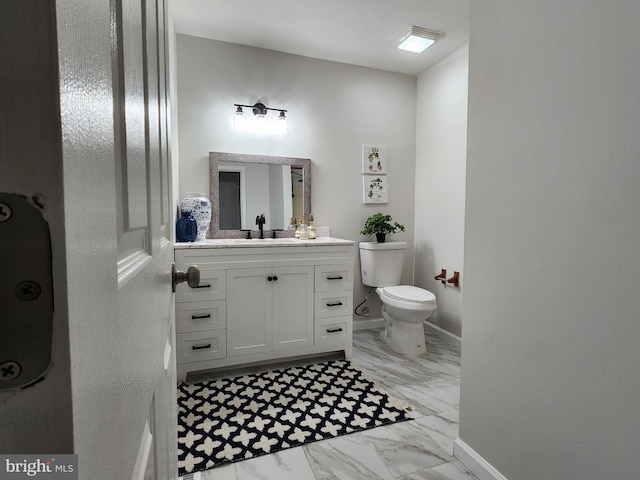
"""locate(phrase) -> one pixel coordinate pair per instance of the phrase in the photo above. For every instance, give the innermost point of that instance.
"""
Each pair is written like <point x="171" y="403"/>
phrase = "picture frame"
<point x="374" y="160"/>
<point x="375" y="189"/>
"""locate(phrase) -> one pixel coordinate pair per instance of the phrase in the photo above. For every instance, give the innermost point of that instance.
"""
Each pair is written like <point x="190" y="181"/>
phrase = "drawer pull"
<point x="200" y="347"/>
<point x="198" y="317"/>
<point x="333" y="330"/>
<point x="339" y="277"/>
<point x="203" y="286"/>
<point x="335" y="304"/>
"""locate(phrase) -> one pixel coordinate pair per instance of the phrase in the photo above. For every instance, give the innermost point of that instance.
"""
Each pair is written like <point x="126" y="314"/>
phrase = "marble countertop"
<point x="267" y="242"/>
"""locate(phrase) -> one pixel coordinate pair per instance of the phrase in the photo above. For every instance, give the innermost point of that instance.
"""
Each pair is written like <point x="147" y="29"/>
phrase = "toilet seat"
<point x="409" y="293"/>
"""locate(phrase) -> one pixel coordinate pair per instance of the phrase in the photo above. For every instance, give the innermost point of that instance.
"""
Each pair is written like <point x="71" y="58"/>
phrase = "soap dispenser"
<point x="312" y="228"/>
<point x="303" y="229"/>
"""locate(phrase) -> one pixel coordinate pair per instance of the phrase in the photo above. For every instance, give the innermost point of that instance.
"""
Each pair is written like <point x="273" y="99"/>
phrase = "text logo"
<point x="49" y="467"/>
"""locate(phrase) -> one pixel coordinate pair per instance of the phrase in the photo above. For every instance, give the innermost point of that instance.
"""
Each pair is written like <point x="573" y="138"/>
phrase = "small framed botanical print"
<point x="375" y="189"/>
<point x="374" y="160"/>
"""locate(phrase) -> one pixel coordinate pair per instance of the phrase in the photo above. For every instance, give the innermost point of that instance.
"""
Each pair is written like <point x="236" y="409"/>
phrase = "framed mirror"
<point x="243" y="187"/>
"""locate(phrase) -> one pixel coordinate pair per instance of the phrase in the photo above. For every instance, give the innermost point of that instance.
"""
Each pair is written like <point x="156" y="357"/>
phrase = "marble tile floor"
<point x="420" y="449"/>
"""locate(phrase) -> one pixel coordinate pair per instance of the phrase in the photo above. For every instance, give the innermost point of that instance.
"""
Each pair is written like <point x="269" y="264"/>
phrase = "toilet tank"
<point x="381" y="263"/>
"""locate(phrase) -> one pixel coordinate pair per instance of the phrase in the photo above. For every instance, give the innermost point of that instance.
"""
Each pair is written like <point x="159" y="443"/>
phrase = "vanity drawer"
<point x="212" y="287"/>
<point x="334" y="330"/>
<point x="332" y="278"/>
<point x="333" y="304"/>
<point x="200" y="316"/>
<point x="199" y="346"/>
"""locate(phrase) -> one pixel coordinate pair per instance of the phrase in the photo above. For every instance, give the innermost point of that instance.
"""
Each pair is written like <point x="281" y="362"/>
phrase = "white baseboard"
<point x="446" y="336"/>
<point x="191" y="476"/>
<point x="368" y="323"/>
<point x="474" y="462"/>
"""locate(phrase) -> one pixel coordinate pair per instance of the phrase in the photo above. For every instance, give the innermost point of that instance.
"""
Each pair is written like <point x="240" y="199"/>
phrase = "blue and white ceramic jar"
<point x="200" y="207"/>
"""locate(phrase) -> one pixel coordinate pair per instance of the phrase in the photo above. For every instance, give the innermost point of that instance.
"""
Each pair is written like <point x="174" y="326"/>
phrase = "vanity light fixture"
<point x="259" y="110"/>
<point x="418" y="39"/>
<point x="258" y="123"/>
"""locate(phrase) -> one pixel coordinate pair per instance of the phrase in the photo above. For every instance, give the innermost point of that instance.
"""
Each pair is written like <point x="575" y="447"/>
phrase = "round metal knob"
<point x="191" y="276"/>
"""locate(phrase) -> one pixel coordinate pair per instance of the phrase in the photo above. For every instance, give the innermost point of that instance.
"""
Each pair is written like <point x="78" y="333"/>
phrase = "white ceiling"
<point x="359" y="32"/>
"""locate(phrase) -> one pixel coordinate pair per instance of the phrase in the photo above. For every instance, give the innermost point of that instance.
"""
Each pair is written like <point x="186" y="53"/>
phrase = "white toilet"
<point x="404" y="307"/>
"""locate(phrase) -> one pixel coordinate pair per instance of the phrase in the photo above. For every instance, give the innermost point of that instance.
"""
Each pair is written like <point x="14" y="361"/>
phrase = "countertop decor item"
<point x="186" y="227"/>
<point x="380" y="224"/>
<point x="200" y="207"/>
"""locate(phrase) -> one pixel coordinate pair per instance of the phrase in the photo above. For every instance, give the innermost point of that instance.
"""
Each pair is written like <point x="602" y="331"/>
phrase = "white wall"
<point x="441" y="154"/>
<point x="550" y="358"/>
<point x="173" y="112"/>
<point x="333" y="109"/>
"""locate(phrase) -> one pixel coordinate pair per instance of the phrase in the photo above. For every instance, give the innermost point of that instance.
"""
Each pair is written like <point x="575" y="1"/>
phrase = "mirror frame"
<point x="216" y="157"/>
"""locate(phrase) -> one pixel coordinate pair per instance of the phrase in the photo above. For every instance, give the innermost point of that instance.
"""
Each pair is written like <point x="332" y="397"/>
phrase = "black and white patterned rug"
<point x="233" y="419"/>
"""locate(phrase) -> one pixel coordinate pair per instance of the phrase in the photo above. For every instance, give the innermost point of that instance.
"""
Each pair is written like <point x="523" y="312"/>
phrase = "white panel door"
<point x="145" y="252"/>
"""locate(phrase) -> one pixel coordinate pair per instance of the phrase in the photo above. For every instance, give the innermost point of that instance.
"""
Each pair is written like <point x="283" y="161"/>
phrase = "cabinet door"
<point x="292" y="307"/>
<point x="249" y="321"/>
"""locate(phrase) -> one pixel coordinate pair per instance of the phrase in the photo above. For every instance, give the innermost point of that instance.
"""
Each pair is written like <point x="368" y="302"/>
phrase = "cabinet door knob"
<point x="270" y="278"/>
<point x="275" y="278"/>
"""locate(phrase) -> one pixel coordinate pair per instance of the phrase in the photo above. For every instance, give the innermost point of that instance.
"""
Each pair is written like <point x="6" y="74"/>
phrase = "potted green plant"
<point x="380" y="224"/>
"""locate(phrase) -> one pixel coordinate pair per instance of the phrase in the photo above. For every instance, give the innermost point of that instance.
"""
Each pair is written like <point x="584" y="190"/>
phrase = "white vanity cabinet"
<point x="263" y="301"/>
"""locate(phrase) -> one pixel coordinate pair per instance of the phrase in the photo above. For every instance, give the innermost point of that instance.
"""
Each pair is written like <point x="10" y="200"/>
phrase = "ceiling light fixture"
<point x="418" y="39"/>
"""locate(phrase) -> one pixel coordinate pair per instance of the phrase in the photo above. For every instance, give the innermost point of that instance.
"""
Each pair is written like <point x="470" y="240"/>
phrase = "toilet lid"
<point x="410" y="293"/>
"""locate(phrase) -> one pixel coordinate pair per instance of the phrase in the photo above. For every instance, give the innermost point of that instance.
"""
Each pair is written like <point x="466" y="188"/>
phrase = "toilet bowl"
<point x="404" y="307"/>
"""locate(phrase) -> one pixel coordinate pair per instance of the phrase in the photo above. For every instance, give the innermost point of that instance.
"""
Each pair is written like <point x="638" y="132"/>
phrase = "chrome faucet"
<point x="260" y="220"/>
